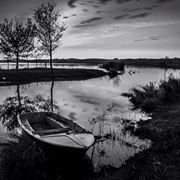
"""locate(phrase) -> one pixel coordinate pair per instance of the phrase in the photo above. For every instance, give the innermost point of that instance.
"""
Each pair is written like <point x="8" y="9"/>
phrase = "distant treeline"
<point x="162" y="62"/>
<point x="144" y="62"/>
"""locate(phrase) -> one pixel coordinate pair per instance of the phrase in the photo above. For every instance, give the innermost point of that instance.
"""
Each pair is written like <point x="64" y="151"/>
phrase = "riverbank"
<point x="162" y="160"/>
<point x="8" y="77"/>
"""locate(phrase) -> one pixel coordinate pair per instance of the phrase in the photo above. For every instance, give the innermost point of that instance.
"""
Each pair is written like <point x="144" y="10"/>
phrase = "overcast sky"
<point x="111" y="28"/>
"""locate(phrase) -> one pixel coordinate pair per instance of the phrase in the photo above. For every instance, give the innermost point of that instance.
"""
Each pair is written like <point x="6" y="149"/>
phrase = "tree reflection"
<point x="12" y="106"/>
<point x="116" y="78"/>
<point x="18" y="94"/>
<point x="116" y="81"/>
<point x="52" y="86"/>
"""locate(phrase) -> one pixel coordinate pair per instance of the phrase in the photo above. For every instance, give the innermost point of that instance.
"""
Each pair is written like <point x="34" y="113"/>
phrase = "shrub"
<point x="113" y="66"/>
<point x="152" y="97"/>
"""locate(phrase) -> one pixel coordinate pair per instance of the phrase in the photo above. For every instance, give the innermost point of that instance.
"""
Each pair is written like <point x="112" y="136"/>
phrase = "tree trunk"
<point x="17" y="67"/>
<point x="17" y="61"/>
<point x="51" y="63"/>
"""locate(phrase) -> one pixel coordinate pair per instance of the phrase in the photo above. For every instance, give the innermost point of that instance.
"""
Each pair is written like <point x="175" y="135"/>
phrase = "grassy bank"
<point x="162" y="160"/>
<point x="42" y="74"/>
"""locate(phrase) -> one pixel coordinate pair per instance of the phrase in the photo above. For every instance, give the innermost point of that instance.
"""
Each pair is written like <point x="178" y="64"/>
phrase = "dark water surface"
<point x="96" y="104"/>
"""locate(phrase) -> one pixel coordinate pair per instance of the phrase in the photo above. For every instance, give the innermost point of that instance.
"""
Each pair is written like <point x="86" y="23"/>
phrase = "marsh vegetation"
<point x="161" y="161"/>
<point x="153" y="97"/>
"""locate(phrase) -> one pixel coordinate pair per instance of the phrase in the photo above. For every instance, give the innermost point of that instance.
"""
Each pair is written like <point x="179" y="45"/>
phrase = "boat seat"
<point x="54" y="123"/>
<point x="52" y="131"/>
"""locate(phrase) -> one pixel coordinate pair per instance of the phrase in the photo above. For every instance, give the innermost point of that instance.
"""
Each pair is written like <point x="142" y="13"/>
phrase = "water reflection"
<point x="96" y="104"/>
<point x="12" y="106"/>
<point x="115" y="144"/>
<point x="111" y="148"/>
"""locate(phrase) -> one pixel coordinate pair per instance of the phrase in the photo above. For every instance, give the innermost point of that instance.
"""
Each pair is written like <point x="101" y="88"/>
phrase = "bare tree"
<point x="16" y="39"/>
<point x="49" y="31"/>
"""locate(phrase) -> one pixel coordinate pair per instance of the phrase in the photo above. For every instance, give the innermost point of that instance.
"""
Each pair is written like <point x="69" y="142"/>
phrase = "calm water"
<point x="97" y="105"/>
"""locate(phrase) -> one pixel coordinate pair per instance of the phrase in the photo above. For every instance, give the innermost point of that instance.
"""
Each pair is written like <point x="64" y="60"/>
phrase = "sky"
<point x="110" y="28"/>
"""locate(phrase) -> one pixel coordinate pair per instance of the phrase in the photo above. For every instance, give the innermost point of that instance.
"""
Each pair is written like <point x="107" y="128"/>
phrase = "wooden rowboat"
<point x="55" y="131"/>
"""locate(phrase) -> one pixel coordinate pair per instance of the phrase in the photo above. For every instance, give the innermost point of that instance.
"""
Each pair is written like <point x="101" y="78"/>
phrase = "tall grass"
<point x="161" y="161"/>
<point x="23" y="159"/>
<point x="154" y="97"/>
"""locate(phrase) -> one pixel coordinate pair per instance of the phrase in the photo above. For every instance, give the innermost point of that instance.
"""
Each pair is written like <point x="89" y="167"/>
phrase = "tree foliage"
<point x="16" y="39"/>
<point x="49" y="31"/>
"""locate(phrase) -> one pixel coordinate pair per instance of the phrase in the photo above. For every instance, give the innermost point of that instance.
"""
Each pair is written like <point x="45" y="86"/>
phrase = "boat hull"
<point x="50" y="147"/>
<point x="58" y="150"/>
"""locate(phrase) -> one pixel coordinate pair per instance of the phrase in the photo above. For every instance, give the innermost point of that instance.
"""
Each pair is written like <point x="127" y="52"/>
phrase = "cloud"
<point x="163" y="1"/>
<point x="19" y="8"/>
<point x="71" y="3"/>
<point x="123" y="1"/>
<point x="95" y="6"/>
<point x="151" y="38"/>
<point x="83" y="25"/>
<point x="91" y="20"/>
<point x="103" y="2"/>
<point x="147" y="8"/>
<point x="74" y="40"/>
<point x="141" y="15"/>
<point x="85" y="10"/>
<point x="121" y="16"/>
<point x="99" y="12"/>
<point x="118" y="1"/>
<point x="84" y="4"/>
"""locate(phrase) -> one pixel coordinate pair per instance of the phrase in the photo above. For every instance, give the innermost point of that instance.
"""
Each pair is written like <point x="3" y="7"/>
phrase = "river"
<point x="97" y="105"/>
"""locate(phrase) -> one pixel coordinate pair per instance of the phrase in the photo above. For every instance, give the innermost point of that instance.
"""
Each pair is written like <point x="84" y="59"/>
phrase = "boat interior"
<point x="46" y="124"/>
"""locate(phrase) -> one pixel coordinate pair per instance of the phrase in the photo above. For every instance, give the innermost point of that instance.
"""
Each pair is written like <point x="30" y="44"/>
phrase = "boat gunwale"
<point x="40" y="138"/>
